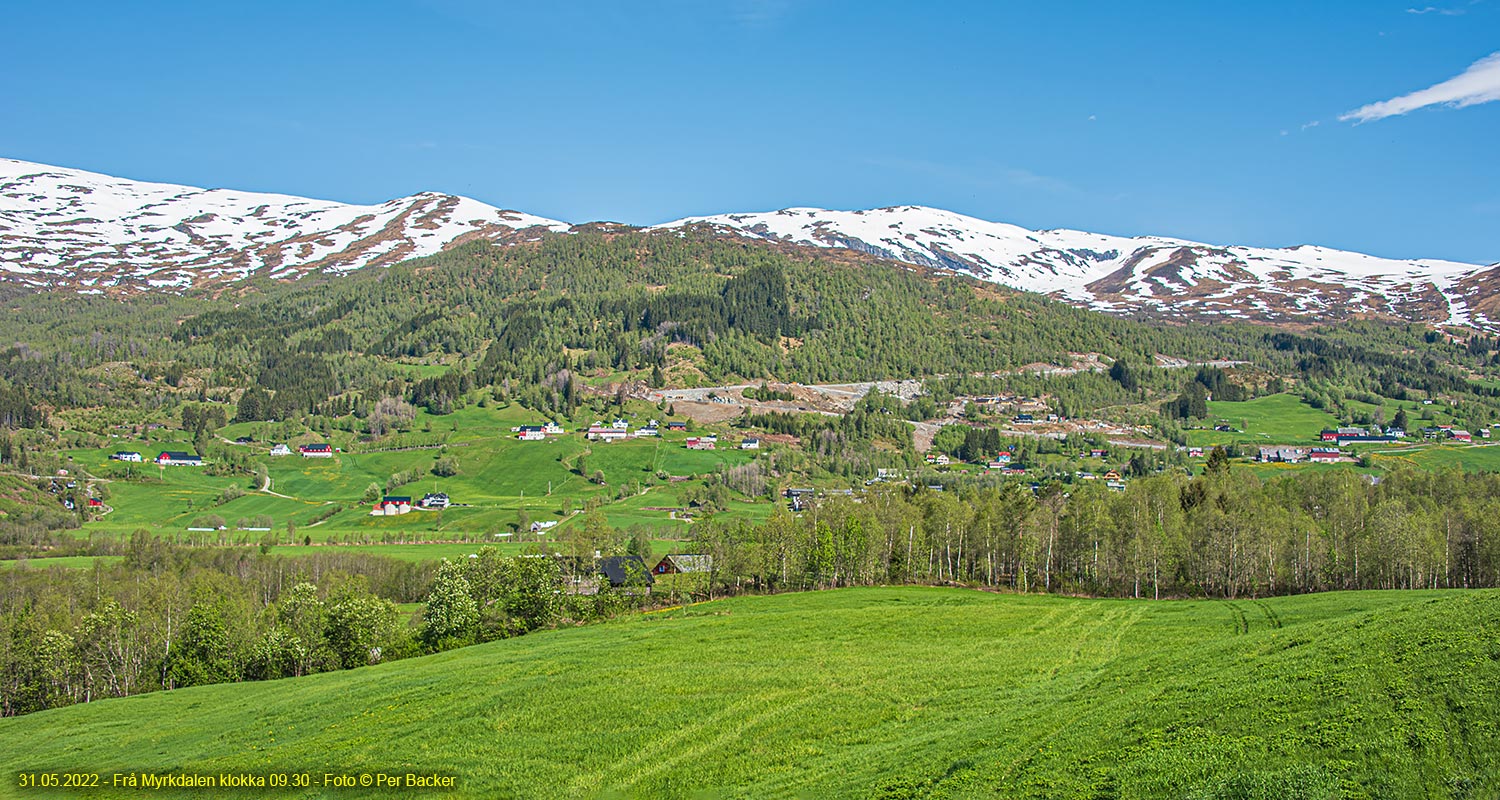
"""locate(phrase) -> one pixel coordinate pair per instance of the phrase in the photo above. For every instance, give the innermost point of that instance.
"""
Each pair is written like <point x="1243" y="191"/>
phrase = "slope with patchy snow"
<point x="90" y="232"/>
<point x="1148" y="274"/>
<point x="70" y="228"/>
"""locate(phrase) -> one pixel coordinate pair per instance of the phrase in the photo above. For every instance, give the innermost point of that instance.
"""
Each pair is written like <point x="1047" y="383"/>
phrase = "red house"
<point x="316" y="450"/>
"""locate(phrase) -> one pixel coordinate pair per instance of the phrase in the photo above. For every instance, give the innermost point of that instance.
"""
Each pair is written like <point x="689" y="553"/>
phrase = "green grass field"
<point x="887" y="693"/>
<point x="1273" y="419"/>
<point x="1473" y="458"/>
<point x="60" y="562"/>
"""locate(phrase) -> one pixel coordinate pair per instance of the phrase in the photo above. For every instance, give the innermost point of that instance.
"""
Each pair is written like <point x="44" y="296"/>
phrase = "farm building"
<point x="531" y="435"/>
<point x="542" y="525"/>
<point x="676" y="564"/>
<point x="391" y="506"/>
<point x="676" y="426"/>
<point x="435" y="500"/>
<point x="173" y="458"/>
<point x="1098" y="453"/>
<point x="625" y="571"/>
<point x="316" y="450"/>
<point x="750" y="444"/>
<point x="280" y="450"/>
<point x="1325" y="456"/>
<point x="1366" y="438"/>
<point x="553" y="429"/>
<point x="602" y="434"/>
<point x="125" y="456"/>
<point x="1461" y="435"/>
<point x="619" y="424"/>
<point x="1283" y="454"/>
<point x="696" y="443"/>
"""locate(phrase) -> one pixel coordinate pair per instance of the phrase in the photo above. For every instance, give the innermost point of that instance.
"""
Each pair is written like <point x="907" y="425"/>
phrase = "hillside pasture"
<point x="1273" y="419"/>
<point x="890" y="693"/>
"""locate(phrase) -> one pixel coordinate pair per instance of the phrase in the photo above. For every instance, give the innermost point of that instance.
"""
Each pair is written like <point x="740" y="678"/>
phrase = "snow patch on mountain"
<point x="74" y="228"/>
<point x="1115" y="273"/>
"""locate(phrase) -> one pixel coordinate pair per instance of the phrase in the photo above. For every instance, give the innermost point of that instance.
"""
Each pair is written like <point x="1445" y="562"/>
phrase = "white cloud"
<point x="1447" y="12"/>
<point x="1480" y="83"/>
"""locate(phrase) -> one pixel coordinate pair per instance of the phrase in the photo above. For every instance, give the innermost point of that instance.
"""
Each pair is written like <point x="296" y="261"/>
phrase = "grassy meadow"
<point x="1273" y="419"/>
<point x="886" y="693"/>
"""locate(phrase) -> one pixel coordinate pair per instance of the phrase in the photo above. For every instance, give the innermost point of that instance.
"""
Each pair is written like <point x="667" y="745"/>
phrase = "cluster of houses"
<point x="537" y="433"/>
<point x="1347" y="436"/>
<point x="629" y="572"/>
<point x="1450" y="432"/>
<point x="620" y="429"/>
<point x="1292" y="454"/>
<point x="1344" y="436"/>
<point x="396" y="505"/>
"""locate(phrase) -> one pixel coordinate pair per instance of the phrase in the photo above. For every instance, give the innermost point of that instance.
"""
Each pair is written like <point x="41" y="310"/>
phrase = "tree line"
<point x="1170" y="535"/>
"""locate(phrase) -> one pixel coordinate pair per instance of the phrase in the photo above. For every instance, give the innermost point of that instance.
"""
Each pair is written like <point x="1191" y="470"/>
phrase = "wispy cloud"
<point x="1445" y="11"/>
<point x="1480" y="83"/>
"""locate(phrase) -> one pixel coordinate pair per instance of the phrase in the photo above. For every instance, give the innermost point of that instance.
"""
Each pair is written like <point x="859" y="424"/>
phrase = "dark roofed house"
<point x="675" y="564"/>
<point x="174" y="458"/>
<point x="625" y="571"/>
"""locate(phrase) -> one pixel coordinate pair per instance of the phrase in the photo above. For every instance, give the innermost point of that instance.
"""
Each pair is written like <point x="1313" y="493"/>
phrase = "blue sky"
<point x="1218" y="122"/>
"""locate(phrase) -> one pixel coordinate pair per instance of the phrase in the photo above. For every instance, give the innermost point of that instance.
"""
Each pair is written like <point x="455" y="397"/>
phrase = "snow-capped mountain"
<point x="69" y="228"/>
<point x="1144" y="274"/>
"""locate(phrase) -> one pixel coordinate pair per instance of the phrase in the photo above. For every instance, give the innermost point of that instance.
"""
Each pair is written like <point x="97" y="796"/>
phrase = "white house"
<point x="124" y="456"/>
<point x="610" y="434"/>
<point x="750" y="444"/>
<point x="531" y="435"/>
<point x="553" y="429"/>
<point x="281" y="450"/>
<point x="619" y="424"/>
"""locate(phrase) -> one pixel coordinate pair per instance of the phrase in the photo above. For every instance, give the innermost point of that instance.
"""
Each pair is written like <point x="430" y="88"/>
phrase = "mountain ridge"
<point x="90" y="232"/>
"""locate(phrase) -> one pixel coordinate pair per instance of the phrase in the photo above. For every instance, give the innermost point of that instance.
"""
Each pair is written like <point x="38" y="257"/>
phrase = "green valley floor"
<point x="886" y="693"/>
